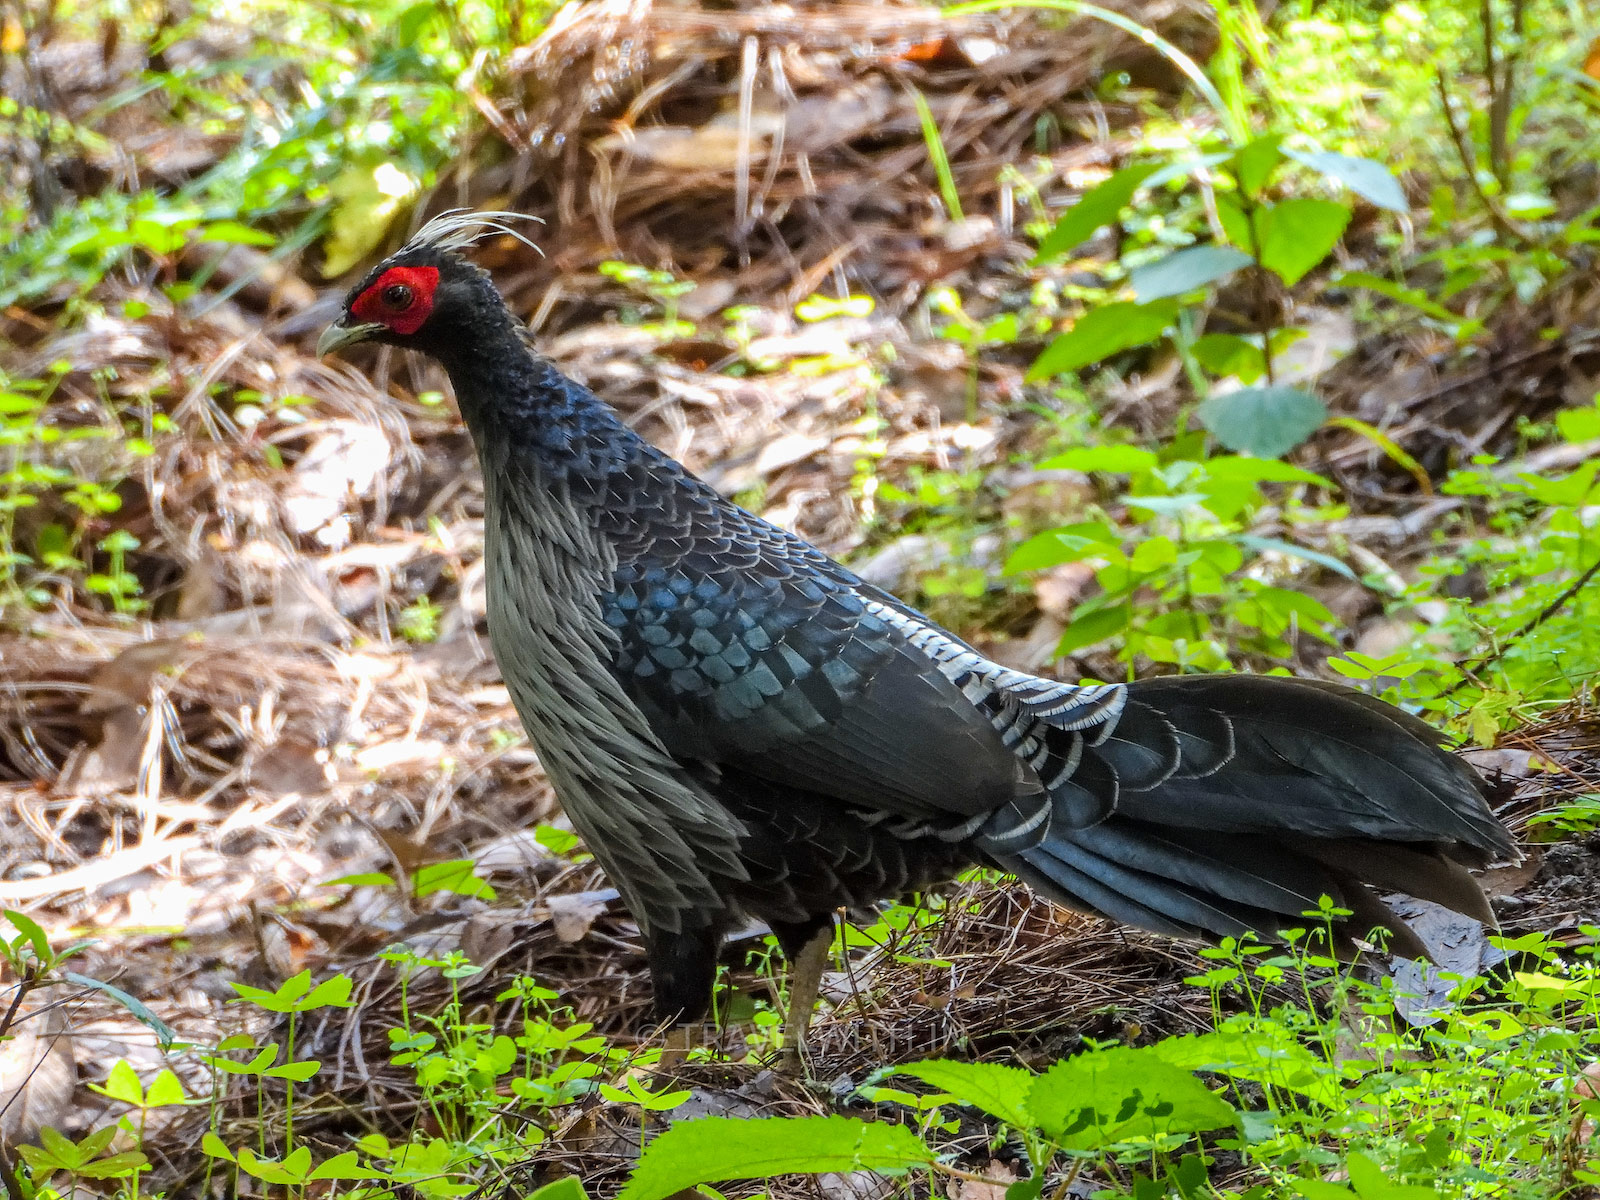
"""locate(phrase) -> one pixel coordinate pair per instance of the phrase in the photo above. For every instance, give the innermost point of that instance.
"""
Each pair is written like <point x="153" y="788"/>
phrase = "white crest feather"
<point x="461" y="228"/>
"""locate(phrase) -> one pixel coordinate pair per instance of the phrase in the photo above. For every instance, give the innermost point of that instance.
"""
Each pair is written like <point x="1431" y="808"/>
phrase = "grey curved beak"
<point x="339" y="335"/>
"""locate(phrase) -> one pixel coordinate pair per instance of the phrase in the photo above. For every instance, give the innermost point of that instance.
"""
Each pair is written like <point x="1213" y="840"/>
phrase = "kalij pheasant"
<point x="738" y="726"/>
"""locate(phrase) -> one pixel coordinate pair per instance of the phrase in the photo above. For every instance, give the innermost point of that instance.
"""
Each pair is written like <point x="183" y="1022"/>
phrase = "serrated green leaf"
<point x="1093" y="1101"/>
<point x="1186" y="271"/>
<point x="1098" y="207"/>
<point x="1265" y="1053"/>
<point x="1263" y="421"/>
<point x="998" y="1090"/>
<point x="718" y="1149"/>
<point x="1102" y="332"/>
<point x="1296" y="235"/>
<point x="1370" y="180"/>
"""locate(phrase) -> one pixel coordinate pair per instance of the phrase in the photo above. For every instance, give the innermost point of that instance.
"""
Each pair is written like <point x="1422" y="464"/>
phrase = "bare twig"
<point x="1528" y="626"/>
<point x="1503" y="224"/>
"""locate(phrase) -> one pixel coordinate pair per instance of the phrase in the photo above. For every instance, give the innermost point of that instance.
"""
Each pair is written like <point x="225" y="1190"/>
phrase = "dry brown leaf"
<point x="573" y="915"/>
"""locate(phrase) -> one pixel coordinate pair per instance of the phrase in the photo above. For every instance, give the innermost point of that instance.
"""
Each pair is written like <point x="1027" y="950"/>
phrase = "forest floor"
<point x="304" y="694"/>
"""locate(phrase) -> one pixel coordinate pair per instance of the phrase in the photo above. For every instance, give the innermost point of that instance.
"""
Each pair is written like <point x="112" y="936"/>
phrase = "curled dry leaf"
<point x="573" y="915"/>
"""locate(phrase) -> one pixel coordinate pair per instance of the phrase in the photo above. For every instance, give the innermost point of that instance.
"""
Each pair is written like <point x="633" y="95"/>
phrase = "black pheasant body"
<point x="737" y="725"/>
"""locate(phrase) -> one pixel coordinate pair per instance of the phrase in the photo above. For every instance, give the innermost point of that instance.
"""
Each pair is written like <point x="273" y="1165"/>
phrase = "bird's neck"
<point x="526" y="415"/>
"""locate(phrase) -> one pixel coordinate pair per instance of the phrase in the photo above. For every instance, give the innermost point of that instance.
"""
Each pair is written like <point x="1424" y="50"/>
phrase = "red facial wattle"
<point x="401" y="298"/>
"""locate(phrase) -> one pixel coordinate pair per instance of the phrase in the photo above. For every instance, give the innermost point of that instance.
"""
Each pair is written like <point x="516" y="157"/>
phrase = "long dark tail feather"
<point x="1238" y="802"/>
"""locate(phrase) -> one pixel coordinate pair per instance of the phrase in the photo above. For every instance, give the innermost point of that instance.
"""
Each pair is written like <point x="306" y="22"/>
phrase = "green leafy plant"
<point x="661" y="289"/>
<point x="1182" y="577"/>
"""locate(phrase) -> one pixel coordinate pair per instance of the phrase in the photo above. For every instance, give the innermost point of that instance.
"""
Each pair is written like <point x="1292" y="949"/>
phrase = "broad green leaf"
<point x="1067" y="543"/>
<point x="330" y="993"/>
<point x="346" y="1166"/>
<point x="1102" y="332"/>
<point x="570" y="1188"/>
<point x="235" y="234"/>
<point x="1000" y="1091"/>
<point x="1229" y="354"/>
<point x="1371" y="1184"/>
<point x="1120" y="460"/>
<point x="366" y="199"/>
<point x="1099" y="206"/>
<point x="1321" y="1189"/>
<point x="1235" y="224"/>
<point x="1091" y="628"/>
<point x="1579" y="424"/>
<point x="1296" y="235"/>
<point x="165" y="1036"/>
<point x="164" y="1090"/>
<point x="1095" y="1100"/>
<point x="1263" y="421"/>
<point x="214" y="1147"/>
<point x="290" y="1170"/>
<point x="1565" y="491"/>
<point x="122" y="1083"/>
<point x="1263" y="470"/>
<point x="717" y="1149"/>
<point x="456" y="875"/>
<point x="115" y="1166"/>
<point x="1368" y="179"/>
<point x="1265" y="1053"/>
<point x="1152" y="554"/>
<point x="32" y="932"/>
<point x="1185" y="271"/>
<point x="299" y="1071"/>
<point x="64" y="1151"/>
<point x="1255" y="162"/>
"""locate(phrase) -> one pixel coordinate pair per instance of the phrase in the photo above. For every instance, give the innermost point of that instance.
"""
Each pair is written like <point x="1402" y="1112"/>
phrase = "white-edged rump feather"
<point x="462" y="228"/>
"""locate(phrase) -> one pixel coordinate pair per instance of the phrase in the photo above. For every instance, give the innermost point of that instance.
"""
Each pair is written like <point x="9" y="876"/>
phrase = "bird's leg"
<point x="805" y="980"/>
<point x="676" y="1044"/>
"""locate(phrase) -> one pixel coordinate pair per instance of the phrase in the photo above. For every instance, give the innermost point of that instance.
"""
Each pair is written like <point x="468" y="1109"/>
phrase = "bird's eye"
<point x="398" y="296"/>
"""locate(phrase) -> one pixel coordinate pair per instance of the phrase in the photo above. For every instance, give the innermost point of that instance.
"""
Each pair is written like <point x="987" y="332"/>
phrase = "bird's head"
<point x="426" y="296"/>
